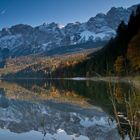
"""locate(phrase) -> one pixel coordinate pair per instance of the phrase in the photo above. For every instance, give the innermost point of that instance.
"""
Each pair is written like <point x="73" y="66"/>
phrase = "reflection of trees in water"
<point x="126" y="106"/>
<point x="95" y="92"/>
<point x="119" y="94"/>
<point x="4" y="102"/>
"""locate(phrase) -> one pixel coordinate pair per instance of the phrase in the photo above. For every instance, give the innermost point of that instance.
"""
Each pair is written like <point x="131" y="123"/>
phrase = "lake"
<point x="65" y="109"/>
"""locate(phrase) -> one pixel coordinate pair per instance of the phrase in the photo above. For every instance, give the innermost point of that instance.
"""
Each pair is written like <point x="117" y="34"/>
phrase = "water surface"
<point x="65" y="109"/>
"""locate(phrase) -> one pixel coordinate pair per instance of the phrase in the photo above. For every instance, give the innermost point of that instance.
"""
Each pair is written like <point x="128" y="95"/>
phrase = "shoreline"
<point x="104" y="78"/>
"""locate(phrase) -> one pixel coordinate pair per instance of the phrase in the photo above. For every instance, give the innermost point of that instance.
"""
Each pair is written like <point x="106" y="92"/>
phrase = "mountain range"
<point x="24" y="39"/>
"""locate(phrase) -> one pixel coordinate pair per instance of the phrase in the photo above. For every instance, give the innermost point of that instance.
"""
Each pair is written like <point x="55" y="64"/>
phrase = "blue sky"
<point x="36" y="12"/>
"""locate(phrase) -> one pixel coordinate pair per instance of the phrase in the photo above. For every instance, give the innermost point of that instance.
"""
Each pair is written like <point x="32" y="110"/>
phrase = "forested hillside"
<point x="40" y="67"/>
<point x="4" y="53"/>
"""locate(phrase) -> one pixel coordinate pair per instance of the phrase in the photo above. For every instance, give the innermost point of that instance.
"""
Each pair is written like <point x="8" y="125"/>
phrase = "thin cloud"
<point x="2" y="12"/>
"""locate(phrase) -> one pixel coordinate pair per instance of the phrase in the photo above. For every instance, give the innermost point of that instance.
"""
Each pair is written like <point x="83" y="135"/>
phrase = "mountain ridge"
<point x="24" y="39"/>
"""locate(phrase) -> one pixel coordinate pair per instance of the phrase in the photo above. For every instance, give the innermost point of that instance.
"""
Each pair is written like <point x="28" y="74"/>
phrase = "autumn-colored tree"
<point x="133" y="53"/>
<point x="119" y="93"/>
<point x="119" y="65"/>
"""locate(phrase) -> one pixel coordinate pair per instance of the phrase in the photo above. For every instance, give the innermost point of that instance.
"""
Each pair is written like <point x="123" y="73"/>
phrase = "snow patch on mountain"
<point x="86" y="35"/>
<point x="60" y="26"/>
<point x="10" y="41"/>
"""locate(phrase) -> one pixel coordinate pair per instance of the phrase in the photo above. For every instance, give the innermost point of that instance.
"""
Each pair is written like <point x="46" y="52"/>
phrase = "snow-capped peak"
<point x="26" y="39"/>
<point x="60" y="26"/>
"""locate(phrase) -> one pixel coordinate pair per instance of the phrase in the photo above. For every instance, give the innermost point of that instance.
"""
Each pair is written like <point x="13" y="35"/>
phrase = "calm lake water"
<point x="68" y="110"/>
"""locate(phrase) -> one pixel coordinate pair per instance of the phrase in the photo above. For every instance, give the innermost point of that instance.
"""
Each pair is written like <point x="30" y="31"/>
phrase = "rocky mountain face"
<point x="24" y="40"/>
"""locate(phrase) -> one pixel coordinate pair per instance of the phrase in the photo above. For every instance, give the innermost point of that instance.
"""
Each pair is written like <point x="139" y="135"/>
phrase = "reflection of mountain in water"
<point x="24" y="116"/>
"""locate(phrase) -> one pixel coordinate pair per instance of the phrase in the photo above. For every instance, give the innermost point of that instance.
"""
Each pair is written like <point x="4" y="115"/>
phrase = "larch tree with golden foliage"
<point x="133" y="53"/>
<point x="119" y="65"/>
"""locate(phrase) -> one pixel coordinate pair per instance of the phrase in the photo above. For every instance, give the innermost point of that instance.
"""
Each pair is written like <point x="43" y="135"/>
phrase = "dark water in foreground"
<point x="68" y="110"/>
